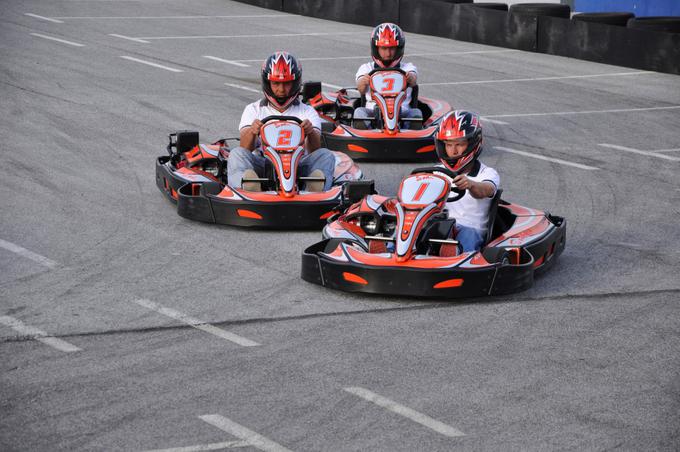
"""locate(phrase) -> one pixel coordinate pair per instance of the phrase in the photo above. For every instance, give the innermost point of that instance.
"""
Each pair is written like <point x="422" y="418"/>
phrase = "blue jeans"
<point x="241" y="159"/>
<point x="470" y="239"/>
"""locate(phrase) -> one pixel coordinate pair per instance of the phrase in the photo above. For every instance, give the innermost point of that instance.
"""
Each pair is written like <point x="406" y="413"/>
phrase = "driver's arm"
<point x="313" y="141"/>
<point x="248" y="135"/>
<point x="362" y="84"/>
<point x="479" y="190"/>
<point x="411" y="78"/>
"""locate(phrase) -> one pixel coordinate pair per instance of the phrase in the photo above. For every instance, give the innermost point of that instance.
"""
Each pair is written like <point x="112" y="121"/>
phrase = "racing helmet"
<point x="459" y="124"/>
<point x="387" y="35"/>
<point x="281" y="67"/>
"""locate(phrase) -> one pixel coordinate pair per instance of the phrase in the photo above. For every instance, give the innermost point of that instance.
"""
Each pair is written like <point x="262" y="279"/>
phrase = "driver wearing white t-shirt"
<point x="387" y="50"/>
<point x="281" y="83"/>
<point x="458" y="143"/>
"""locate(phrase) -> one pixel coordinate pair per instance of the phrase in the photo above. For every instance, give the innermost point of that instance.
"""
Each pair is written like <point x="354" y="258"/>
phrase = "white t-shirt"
<point x="261" y="109"/>
<point x="470" y="211"/>
<point x="366" y="68"/>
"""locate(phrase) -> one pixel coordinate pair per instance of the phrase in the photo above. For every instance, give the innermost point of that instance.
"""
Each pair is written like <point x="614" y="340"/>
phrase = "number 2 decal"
<point x="284" y="137"/>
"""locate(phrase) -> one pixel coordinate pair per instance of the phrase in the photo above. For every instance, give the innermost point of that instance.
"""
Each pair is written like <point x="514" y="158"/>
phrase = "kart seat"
<point x="493" y="211"/>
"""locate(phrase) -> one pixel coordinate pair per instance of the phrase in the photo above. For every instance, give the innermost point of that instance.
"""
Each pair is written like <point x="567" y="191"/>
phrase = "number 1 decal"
<point x="421" y="191"/>
<point x="284" y="137"/>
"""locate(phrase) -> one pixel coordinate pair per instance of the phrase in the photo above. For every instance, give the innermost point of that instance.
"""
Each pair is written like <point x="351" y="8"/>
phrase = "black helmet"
<point x="459" y="125"/>
<point x="387" y="35"/>
<point x="281" y="67"/>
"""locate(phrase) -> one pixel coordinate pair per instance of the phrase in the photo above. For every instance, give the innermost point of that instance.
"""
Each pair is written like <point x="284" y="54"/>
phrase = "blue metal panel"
<point x="640" y="8"/>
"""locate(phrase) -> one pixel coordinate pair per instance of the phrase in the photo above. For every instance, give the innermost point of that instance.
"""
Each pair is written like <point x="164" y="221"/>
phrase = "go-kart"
<point x="194" y="176"/>
<point x="406" y="245"/>
<point x="389" y="137"/>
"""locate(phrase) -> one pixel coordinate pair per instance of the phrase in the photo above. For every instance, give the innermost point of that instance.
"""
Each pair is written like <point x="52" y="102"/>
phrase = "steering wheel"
<point x="450" y="173"/>
<point x="280" y="118"/>
<point x="385" y="69"/>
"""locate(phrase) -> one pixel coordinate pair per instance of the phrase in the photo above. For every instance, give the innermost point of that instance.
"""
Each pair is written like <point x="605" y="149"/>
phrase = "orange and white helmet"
<point x="387" y="35"/>
<point x="281" y="67"/>
<point x="459" y="125"/>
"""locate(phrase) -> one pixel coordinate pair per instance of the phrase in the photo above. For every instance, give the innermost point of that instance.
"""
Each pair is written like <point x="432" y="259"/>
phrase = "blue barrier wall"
<point x="640" y="8"/>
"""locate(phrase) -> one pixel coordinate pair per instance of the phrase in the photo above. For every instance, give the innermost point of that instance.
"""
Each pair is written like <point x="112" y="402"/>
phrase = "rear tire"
<point x="496" y="6"/>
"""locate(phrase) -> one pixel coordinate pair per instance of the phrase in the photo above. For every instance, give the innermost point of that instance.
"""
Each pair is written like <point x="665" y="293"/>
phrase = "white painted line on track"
<point x="365" y="57"/>
<point x="42" y="260"/>
<point x="49" y="19"/>
<point x="129" y="38"/>
<point x="282" y="35"/>
<point x="405" y="411"/>
<point x="245" y="88"/>
<point x="493" y="121"/>
<point x="196" y="323"/>
<point x="202" y="447"/>
<point x="63" y="41"/>
<point x="584" y="112"/>
<point x="548" y="159"/>
<point x="149" y="63"/>
<point x="536" y="79"/>
<point x="222" y="60"/>
<point x="253" y="439"/>
<point x="640" y="152"/>
<point x="171" y="17"/>
<point x="38" y="335"/>
<point x="668" y="150"/>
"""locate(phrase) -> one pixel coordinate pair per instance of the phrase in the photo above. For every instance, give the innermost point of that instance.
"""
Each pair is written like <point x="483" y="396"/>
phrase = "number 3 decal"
<point x="389" y="84"/>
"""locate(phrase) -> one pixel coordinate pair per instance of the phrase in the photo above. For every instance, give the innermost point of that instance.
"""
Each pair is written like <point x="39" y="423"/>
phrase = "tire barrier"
<point x="618" y="19"/>
<point x="541" y="9"/>
<point x="649" y="43"/>
<point x="497" y="6"/>
<point x="667" y="24"/>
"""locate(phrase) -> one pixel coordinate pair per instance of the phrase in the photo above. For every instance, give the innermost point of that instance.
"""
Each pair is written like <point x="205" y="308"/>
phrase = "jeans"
<point x="241" y="159"/>
<point x="470" y="239"/>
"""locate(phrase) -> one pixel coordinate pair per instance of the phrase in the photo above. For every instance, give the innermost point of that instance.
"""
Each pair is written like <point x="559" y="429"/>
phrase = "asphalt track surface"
<point x="125" y="327"/>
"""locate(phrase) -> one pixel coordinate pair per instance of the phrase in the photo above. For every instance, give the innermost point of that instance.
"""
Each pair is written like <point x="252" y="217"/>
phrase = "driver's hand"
<point x="255" y="127"/>
<point x="461" y="181"/>
<point x="307" y="127"/>
<point x="362" y="84"/>
<point x="411" y="79"/>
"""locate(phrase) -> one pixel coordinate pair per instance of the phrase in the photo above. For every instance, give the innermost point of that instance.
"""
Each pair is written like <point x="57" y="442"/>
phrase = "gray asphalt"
<point x="587" y="359"/>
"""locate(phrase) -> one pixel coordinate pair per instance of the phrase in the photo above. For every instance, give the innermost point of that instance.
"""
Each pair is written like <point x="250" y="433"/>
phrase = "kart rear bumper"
<point x="393" y="149"/>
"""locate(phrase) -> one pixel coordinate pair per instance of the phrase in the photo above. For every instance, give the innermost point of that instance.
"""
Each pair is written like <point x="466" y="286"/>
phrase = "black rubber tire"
<point x="667" y="24"/>
<point x="456" y="1"/>
<point x="541" y="9"/>
<point x="327" y="126"/>
<point x="497" y="6"/>
<point x="620" y="19"/>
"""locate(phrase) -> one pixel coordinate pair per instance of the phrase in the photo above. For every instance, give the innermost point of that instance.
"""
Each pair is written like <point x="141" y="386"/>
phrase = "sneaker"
<point x="251" y="186"/>
<point x="316" y="185"/>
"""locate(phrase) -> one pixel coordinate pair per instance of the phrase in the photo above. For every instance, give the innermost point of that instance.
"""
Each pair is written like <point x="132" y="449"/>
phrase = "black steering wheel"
<point x="280" y="118"/>
<point x="450" y="173"/>
<point x="385" y="69"/>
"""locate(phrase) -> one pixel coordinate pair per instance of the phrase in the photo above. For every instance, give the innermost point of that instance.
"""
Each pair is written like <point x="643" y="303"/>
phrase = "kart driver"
<point x="281" y="83"/>
<point x="458" y="143"/>
<point x="387" y="50"/>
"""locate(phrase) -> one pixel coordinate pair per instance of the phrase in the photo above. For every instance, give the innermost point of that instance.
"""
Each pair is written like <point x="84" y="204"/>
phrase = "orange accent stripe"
<point x="248" y="214"/>
<point x="327" y="215"/>
<point x="428" y="148"/>
<point x="351" y="277"/>
<point x="355" y="148"/>
<point x="538" y="262"/>
<point x="173" y="193"/>
<point x="456" y="282"/>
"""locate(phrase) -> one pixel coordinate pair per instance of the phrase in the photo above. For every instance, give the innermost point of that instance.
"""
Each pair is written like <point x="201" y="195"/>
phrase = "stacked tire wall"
<point x="603" y="43"/>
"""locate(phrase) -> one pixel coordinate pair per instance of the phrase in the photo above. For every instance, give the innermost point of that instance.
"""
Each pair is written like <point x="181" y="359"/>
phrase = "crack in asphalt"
<point x="429" y="305"/>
